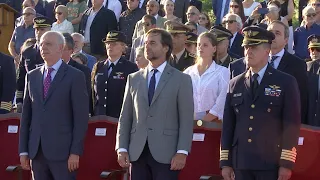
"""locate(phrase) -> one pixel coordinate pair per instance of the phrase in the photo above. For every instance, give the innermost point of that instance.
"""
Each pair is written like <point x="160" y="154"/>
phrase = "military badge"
<point x="237" y="95"/>
<point x="272" y="90"/>
<point x="119" y="75"/>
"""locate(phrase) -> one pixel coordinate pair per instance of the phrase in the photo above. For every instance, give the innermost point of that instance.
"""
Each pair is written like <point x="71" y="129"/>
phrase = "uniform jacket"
<point x="225" y="63"/>
<point x="261" y="132"/>
<point x="313" y="66"/>
<point x="313" y="99"/>
<point x="108" y="91"/>
<point x="187" y="59"/>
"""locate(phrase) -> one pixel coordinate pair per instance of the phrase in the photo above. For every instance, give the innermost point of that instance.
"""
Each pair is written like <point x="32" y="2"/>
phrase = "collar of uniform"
<point x="222" y="60"/>
<point x="160" y="68"/>
<point x="179" y="54"/>
<point x="279" y="54"/>
<point x="261" y="72"/>
<point x="56" y="66"/>
<point x="109" y="62"/>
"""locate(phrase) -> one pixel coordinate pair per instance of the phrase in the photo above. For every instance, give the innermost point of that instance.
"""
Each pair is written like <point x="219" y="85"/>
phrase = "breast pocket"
<point x="236" y="103"/>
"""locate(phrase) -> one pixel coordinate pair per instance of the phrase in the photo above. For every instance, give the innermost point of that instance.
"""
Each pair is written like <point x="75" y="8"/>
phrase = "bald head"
<point x="51" y="47"/>
<point x="193" y="14"/>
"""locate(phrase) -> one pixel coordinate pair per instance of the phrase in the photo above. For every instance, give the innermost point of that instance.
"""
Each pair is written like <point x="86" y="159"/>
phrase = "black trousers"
<point x="147" y="168"/>
<point x="256" y="175"/>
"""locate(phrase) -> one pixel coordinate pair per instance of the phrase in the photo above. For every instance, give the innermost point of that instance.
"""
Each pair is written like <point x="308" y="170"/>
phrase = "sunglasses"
<point x="59" y="13"/>
<point x="27" y="14"/>
<point x="316" y="4"/>
<point x="311" y="15"/>
<point x="234" y="6"/>
<point x="191" y="14"/>
<point x="229" y="21"/>
<point x="315" y="49"/>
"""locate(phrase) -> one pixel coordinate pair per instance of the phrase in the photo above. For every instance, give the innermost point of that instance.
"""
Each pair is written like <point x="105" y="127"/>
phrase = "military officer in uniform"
<point x="223" y="36"/>
<point x="109" y="77"/>
<point x="191" y="43"/>
<point x="7" y="82"/>
<point x="30" y="57"/>
<point x="313" y="81"/>
<point x="261" y="118"/>
<point x="314" y="50"/>
<point x="180" y="58"/>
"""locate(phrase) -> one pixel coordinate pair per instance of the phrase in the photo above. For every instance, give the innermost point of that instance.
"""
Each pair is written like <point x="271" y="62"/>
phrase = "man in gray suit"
<point x="155" y="125"/>
<point x="152" y="9"/>
<point x="55" y="115"/>
<point x="148" y="22"/>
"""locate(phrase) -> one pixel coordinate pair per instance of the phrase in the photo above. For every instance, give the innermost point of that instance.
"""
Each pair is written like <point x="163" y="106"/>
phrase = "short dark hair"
<point x="166" y="39"/>
<point x="151" y="18"/>
<point x="69" y="42"/>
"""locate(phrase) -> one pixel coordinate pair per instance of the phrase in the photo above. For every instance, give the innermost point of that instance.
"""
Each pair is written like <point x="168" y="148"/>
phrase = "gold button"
<point x="249" y="140"/>
<point x="269" y="110"/>
<point x="250" y="128"/>
<point x="253" y="106"/>
<point x="251" y="117"/>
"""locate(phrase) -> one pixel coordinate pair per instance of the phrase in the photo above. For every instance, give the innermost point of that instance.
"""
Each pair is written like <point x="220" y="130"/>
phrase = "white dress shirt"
<point x="64" y="27"/>
<point x="109" y="63"/>
<point x="115" y="6"/>
<point x="56" y="67"/>
<point x="261" y="73"/>
<point x="276" y="62"/>
<point x="232" y="39"/>
<point x="209" y="89"/>
<point x="158" y="76"/>
<point x="88" y="25"/>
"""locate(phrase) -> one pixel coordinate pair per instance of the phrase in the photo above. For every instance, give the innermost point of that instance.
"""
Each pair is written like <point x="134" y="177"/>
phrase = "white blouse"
<point x="64" y="27"/>
<point x="209" y="89"/>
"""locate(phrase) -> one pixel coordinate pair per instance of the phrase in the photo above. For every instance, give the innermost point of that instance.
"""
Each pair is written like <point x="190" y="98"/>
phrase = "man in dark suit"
<point x="181" y="7"/>
<point x="95" y="24"/>
<point x="288" y="63"/>
<point x="313" y="66"/>
<point x="155" y="125"/>
<point x="31" y="58"/>
<point x="197" y="4"/>
<point x="7" y="83"/>
<point x="233" y="23"/>
<point x="261" y="121"/>
<point x="223" y="37"/>
<point x="66" y="57"/>
<point x="180" y="57"/>
<point x="109" y="77"/>
<point x="55" y="115"/>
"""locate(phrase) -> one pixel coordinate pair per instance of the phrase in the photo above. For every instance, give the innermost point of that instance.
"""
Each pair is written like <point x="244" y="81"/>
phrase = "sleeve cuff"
<point x="122" y="150"/>
<point x="23" y="154"/>
<point x="182" y="152"/>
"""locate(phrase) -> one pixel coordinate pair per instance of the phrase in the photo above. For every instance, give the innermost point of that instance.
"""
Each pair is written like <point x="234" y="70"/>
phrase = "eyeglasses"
<point x="203" y="18"/>
<point x="59" y="13"/>
<point x="234" y="6"/>
<point x="152" y="5"/>
<point x="145" y="24"/>
<point x="27" y="14"/>
<point x="315" y="49"/>
<point x="311" y="15"/>
<point x="191" y="14"/>
<point x="316" y="4"/>
<point x="229" y="21"/>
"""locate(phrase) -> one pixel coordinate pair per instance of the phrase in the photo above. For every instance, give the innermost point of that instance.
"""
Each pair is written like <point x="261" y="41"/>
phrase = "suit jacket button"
<point x="249" y="140"/>
<point x="251" y="117"/>
<point x="105" y="97"/>
<point x="105" y="90"/>
<point x="250" y="128"/>
<point x="104" y="105"/>
<point x="253" y="106"/>
<point x="269" y="110"/>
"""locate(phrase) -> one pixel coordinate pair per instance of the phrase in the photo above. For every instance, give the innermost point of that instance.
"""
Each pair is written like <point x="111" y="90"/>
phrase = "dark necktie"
<point x="152" y="86"/>
<point x="110" y="69"/>
<point x="47" y="82"/>
<point x="255" y="84"/>
<point x="273" y="58"/>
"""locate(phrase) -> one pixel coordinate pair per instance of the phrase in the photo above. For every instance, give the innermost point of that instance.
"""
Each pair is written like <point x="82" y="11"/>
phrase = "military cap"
<point x="314" y="41"/>
<point x="176" y="27"/>
<point x="41" y="22"/>
<point x="192" y="38"/>
<point x="221" y="32"/>
<point x="113" y="36"/>
<point x="254" y="35"/>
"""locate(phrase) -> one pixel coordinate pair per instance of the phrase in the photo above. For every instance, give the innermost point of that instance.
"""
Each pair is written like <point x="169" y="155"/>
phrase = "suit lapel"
<point x="40" y="83"/>
<point x="85" y="18"/>
<point x="167" y="72"/>
<point x="58" y="77"/>
<point x="247" y="84"/>
<point x="284" y="62"/>
<point x="264" y="82"/>
<point x="144" y="84"/>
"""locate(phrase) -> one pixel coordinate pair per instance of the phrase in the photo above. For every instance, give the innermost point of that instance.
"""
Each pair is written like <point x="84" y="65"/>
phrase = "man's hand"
<point x="123" y="159"/>
<point x="227" y="173"/>
<point x="73" y="162"/>
<point x="178" y="161"/>
<point x="284" y="173"/>
<point x="25" y="162"/>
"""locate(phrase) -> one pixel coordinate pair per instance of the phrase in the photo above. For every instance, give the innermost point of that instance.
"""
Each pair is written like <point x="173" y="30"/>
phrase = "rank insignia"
<point x="273" y="90"/>
<point x="119" y="75"/>
<point x="237" y="95"/>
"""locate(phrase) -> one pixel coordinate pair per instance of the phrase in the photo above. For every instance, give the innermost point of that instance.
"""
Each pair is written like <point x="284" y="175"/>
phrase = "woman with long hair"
<point x="168" y="7"/>
<point x="204" y="21"/>
<point x="209" y="80"/>
<point x="236" y="7"/>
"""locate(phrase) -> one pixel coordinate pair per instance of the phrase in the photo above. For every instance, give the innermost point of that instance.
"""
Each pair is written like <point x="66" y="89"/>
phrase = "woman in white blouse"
<point x="210" y="81"/>
<point x="62" y="25"/>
